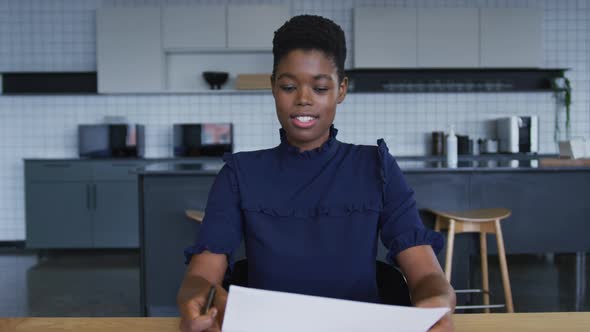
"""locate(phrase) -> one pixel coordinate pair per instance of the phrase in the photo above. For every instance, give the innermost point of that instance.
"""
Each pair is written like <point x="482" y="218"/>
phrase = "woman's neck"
<point x="309" y="145"/>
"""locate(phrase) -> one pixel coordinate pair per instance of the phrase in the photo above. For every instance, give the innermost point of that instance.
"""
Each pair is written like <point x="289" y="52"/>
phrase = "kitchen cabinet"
<point x="81" y="204"/>
<point x="165" y="49"/>
<point x="166" y="232"/>
<point x="448" y="38"/>
<point x="253" y="26"/>
<point x="129" y="50"/>
<point x="385" y="37"/>
<point x="57" y="215"/>
<point x="511" y="37"/>
<point x="221" y="28"/>
<point x="194" y="27"/>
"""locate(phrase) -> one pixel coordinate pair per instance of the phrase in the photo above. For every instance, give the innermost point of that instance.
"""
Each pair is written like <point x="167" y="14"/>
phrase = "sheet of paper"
<point x="254" y="310"/>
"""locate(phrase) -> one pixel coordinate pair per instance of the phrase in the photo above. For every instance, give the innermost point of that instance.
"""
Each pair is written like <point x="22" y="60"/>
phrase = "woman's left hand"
<point x="445" y="324"/>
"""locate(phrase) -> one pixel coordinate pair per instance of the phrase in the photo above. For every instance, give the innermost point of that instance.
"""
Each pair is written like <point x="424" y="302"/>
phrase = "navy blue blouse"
<point x="310" y="220"/>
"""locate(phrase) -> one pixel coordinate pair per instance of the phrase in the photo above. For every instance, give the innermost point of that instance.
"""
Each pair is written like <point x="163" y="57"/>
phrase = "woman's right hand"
<point x="192" y="298"/>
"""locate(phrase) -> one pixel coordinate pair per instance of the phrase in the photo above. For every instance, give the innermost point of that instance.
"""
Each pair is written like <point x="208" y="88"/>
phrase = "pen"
<point x="210" y="298"/>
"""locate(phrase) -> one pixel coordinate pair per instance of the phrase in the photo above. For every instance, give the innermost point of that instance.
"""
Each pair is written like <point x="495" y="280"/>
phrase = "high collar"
<point x="322" y="150"/>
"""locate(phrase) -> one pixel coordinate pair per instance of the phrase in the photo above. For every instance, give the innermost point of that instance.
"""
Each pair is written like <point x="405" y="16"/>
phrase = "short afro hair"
<point x="310" y="32"/>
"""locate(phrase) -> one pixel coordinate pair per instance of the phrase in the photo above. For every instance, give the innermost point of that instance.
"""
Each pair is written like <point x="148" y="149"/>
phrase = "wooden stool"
<point x="481" y="221"/>
<point x="195" y="215"/>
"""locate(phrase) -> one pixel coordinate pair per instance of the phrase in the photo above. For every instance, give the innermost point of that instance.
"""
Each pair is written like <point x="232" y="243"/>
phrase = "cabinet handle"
<point x="87" y="197"/>
<point x="94" y="196"/>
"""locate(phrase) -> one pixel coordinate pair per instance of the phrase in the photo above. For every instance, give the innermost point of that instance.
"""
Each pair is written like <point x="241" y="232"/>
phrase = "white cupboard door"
<point x="252" y="27"/>
<point x="385" y="37"/>
<point x="448" y="37"/>
<point x="129" y="50"/>
<point x="511" y="37"/>
<point x="194" y="27"/>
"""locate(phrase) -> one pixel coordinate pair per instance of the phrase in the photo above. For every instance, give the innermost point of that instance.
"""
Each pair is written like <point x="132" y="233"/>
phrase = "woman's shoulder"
<point x="254" y="156"/>
<point x="379" y="151"/>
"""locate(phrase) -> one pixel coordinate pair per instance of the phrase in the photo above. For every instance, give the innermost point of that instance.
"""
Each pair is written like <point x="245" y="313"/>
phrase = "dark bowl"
<point x="215" y="78"/>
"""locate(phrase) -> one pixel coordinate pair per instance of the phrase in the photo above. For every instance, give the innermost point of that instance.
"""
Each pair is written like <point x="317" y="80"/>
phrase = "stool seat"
<point x="482" y="221"/>
<point x="478" y="215"/>
<point x="195" y="215"/>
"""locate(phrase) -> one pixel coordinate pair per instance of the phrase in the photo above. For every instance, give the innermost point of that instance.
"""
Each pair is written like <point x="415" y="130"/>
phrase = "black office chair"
<point x="391" y="283"/>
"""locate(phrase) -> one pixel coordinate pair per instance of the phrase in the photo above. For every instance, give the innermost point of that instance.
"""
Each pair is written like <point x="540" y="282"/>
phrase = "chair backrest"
<point x="391" y="283"/>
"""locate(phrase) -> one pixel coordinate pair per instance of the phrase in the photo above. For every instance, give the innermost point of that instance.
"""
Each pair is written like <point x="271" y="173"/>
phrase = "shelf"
<point x="49" y="83"/>
<point x="452" y="79"/>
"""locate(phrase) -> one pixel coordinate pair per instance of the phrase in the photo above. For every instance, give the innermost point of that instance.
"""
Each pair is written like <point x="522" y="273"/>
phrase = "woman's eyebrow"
<point x="287" y="75"/>
<point x="316" y="77"/>
<point x="322" y="76"/>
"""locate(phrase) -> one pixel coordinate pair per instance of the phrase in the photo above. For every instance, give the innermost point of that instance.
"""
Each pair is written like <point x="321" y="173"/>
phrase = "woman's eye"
<point x="287" y="88"/>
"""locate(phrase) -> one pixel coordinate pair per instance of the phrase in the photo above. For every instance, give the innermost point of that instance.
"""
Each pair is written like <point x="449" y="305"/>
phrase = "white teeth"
<point x="305" y="118"/>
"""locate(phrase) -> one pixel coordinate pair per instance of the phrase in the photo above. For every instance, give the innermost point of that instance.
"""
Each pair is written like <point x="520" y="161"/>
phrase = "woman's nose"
<point x="304" y="97"/>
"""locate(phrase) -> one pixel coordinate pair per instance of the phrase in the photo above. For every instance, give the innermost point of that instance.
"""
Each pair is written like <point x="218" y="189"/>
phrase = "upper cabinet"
<point x="448" y="37"/>
<point x="194" y="27"/>
<point x="218" y="28"/>
<point x="252" y="27"/>
<point x="129" y="52"/>
<point x="388" y="37"/>
<point x="385" y="37"/>
<point x="153" y="49"/>
<point x="511" y="37"/>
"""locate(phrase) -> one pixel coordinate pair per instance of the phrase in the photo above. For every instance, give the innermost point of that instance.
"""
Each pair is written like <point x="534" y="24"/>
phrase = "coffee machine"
<point x="518" y="134"/>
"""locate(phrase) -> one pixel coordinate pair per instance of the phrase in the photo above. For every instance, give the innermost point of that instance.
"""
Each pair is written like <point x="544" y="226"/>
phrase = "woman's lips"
<point x="304" y="121"/>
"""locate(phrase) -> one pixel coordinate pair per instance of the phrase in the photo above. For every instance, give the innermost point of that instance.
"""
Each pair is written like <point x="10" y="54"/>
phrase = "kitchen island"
<point x="549" y="213"/>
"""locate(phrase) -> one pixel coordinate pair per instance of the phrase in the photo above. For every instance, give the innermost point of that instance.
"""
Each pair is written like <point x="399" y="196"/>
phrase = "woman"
<point x="311" y="209"/>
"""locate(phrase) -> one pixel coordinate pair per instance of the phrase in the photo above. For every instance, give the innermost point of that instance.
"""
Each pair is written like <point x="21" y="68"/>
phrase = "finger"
<point x="215" y="328"/>
<point x="190" y="309"/>
<point x="200" y="323"/>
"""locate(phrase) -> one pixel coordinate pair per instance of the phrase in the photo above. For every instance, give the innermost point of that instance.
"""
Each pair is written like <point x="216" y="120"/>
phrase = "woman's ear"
<point x="342" y="89"/>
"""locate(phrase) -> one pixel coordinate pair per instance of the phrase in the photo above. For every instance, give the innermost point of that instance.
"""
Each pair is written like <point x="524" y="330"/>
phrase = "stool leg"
<point x="450" y="243"/>
<point x="504" y="267"/>
<point x="437" y="224"/>
<point x="485" y="285"/>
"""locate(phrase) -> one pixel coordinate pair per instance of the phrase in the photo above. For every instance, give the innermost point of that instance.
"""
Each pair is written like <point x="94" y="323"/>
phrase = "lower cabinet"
<point x="81" y="204"/>
<point x="115" y="215"/>
<point x="58" y="215"/>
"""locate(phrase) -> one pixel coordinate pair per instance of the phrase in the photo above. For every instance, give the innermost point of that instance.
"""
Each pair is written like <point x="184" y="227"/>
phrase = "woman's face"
<point x="306" y="92"/>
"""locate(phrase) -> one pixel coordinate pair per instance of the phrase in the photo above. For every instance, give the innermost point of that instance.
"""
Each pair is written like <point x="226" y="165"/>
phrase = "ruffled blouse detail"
<point x="309" y="154"/>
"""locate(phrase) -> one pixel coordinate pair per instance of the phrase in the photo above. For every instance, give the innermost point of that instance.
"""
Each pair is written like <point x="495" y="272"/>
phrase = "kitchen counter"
<point x="183" y="167"/>
<point x="408" y="166"/>
<point x="549" y="208"/>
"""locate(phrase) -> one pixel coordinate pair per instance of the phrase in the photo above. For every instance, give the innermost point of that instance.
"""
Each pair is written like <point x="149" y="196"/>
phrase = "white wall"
<point x="52" y="35"/>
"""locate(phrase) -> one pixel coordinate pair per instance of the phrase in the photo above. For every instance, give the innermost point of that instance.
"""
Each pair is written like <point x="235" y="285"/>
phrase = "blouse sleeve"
<point x="221" y="229"/>
<point x="399" y="222"/>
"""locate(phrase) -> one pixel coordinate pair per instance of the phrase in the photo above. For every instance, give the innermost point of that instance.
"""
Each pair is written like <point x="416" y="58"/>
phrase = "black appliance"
<point x="203" y="139"/>
<point x="111" y="140"/>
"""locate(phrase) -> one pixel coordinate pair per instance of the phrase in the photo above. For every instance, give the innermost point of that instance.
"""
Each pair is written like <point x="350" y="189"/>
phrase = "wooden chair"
<point x="482" y="221"/>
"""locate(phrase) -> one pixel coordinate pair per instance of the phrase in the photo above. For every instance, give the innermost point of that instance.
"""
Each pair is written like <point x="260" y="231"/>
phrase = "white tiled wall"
<point x="59" y="35"/>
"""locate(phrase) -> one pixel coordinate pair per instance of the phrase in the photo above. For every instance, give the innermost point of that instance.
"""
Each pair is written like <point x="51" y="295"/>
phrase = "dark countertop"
<point x="407" y="166"/>
<point x="143" y="160"/>
<point x="182" y="167"/>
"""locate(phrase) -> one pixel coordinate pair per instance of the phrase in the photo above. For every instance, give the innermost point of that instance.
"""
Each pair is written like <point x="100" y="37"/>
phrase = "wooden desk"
<point x="563" y="322"/>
